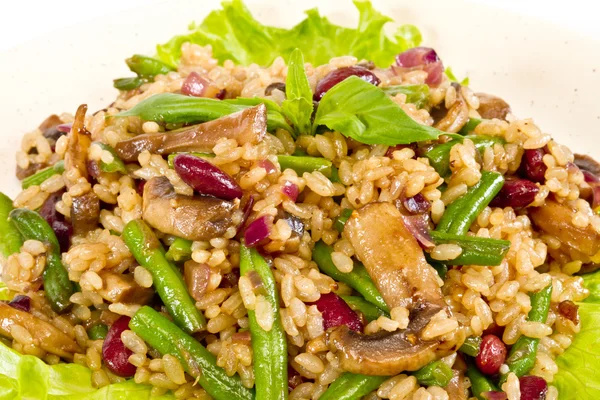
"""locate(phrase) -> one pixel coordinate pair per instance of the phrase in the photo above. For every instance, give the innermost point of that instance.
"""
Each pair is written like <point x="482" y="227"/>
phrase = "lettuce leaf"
<point x="235" y="35"/>
<point x="579" y="367"/>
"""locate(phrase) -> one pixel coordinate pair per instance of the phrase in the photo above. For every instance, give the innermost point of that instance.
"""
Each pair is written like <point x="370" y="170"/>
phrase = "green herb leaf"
<point x="364" y="112"/>
<point x="298" y="105"/>
<point x="415" y="94"/>
<point x="453" y="78"/>
<point x="235" y="35"/>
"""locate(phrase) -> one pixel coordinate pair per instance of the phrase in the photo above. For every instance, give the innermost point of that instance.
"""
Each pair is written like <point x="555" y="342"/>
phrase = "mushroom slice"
<point x="246" y="126"/>
<point x="122" y="288"/>
<point x="85" y="212"/>
<point x="587" y="163"/>
<point x="457" y="115"/>
<point x="45" y="335"/>
<point x="188" y="217"/>
<point x="492" y="106"/>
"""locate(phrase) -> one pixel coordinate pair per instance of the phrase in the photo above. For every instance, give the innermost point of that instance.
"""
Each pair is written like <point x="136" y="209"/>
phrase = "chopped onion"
<point x="257" y="231"/>
<point x="64" y="128"/>
<point x="268" y="166"/>
<point x="291" y="190"/>
<point x="419" y="227"/>
<point x="194" y="85"/>
<point x="424" y="58"/>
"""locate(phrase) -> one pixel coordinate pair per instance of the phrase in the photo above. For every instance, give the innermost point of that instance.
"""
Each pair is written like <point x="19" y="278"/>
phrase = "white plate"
<point x="542" y="70"/>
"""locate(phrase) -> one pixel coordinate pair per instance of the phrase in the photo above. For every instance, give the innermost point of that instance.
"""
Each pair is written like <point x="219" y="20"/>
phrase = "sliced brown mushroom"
<point x="122" y="288"/>
<point x="587" y="163"/>
<point x="32" y="168"/>
<point x="189" y="217"/>
<point x="456" y="117"/>
<point x="398" y="268"/>
<point x="196" y="277"/>
<point x="246" y="126"/>
<point x="45" y="335"/>
<point x="492" y="106"/>
<point x="85" y="212"/>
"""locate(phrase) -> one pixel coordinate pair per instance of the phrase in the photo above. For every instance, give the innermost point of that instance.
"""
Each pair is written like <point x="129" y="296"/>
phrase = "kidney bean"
<point x="336" y="312"/>
<point x="61" y="227"/>
<point x="492" y="354"/>
<point x="568" y="310"/>
<point x="533" y="388"/>
<point x="114" y="352"/>
<point x="515" y="193"/>
<point x="532" y="165"/>
<point x="206" y="178"/>
<point x="338" y="75"/>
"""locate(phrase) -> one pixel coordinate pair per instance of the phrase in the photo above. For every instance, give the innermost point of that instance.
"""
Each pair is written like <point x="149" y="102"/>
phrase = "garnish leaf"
<point x="416" y="94"/>
<point x="298" y="105"/>
<point x="364" y="112"/>
<point x="453" y="78"/>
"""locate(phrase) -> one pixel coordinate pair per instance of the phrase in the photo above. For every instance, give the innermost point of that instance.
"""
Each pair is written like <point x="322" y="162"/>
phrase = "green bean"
<point x="461" y="213"/>
<point x="436" y="373"/>
<point x="340" y="221"/>
<point x="521" y="357"/>
<point x="147" y="67"/>
<point x="369" y="310"/>
<point x="358" y="279"/>
<point x="439" y="156"/>
<point x="171" y="157"/>
<point x="480" y="383"/>
<point x="440" y="268"/>
<point x="97" y="332"/>
<point x="352" y="386"/>
<point x="128" y="83"/>
<point x="415" y="94"/>
<point x="165" y="337"/>
<point x="471" y="346"/>
<point x="269" y="346"/>
<point x="475" y="250"/>
<point x="180" y="250"/>
<point x="57" y="286"/>
<point x="42" y="175"/>
<point x="306" y="164"/>
<point x="10" y="237"/>
<point x="168" y="282"/>
<point x="469" y="126"/>
<point x="116" y="165"/>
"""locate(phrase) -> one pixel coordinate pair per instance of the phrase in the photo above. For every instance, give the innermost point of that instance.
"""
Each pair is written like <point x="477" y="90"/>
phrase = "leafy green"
<point x="453" y="78"/>
<point x="365" y="113"/>
<point x="298" y="105"/>
<point x="416" y="94"/>
<point x="235" y="35"/>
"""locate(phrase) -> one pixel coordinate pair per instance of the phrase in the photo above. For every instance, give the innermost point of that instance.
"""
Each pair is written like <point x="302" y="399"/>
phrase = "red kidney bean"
<point x="139" y="187"/>
<point x="61" y="227"/>
<point x="532" y="165"/>
<point x="21" y="302"/>
<point x="568" y="310"/>
<point x="417" y="204"/>
<point x="114" y="352"/>
<point x="336" y="312"/>
<point x="338" y="75"/>
<point x="515" y="193"/>
<point x="492" y="354"/>
<point x="533" y="388"/>
<point x="205" y="178"/>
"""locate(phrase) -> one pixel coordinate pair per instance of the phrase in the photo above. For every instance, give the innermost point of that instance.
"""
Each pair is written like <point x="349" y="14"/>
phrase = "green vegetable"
<point x="352" y="386"/>
<point x="275" y="118"/>
<point x="164" y="336"/>
<point x="269" y="346"/>
<point x="358" y="279"/>
<point x="179" y="250"/>
<point x="440" y="268"/>
<point x="298" y="105"/>
<point x="471" y="346"/>
<point x="128" y="83"/>
<point x="470" y="127"/>
<point x="475" y="250"/>
<point x="57" y="286"/>
<point x="42" y="175"/>
<point x="147" y="67"/>
<point x="302" y="164"/>
<point x="362" y="111"/>
<point x="450" y="75"/>
<point x="116" y="165"/>
<point x="461" y="213"/>
<point x="235" y="35"/>
<point x="174" y="108"/>
<point x="521" y="357"/>
<point x="436" y="373"/>
<point x="439" y="156"/>
<point x="10" y="237"/>
<point x="416" y="94"/>
<point x="97" y="332"/>
<point x="168" y="282"/>
<point x="340" y="221"/>
<point x="369" y="310"/>
<point x="479" y="382"/>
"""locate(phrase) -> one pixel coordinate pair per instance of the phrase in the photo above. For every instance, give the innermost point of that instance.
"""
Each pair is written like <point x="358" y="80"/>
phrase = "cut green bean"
<point x="57" y="286"/>
<point x="369" y="310"/>
<point x="352" y="386"/>
<point x="358" y="279"/>
<point x="147" y="67"/>
<point x="469" y="126"/>
<point x="97" y="332"/>
<point x="116" y="165"/>
<point x="480" y="383"/>
<point x="165" y="337"/>
<point x="40" y="176"/>
<point x="269" y="346"/>
<point x="475" y="250"/>
<point x="340" y="221"/>
<point x="128" y="83"/>
<point x="440" y="268"/>
<point x="461" y="213"/>
<point x="521" y="357"/>
<point x="439" y="156"/>
<point x="10" y="237"/>
<point x="302" y="164"/>
<point x="471" y="346"/>
<point x="180" y="250"/>
<point x="168" y="282"/>
<point x="436" y="373"/>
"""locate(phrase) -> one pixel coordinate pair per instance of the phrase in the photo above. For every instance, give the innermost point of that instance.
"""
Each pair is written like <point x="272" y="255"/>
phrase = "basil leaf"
<point x="298" y="105"/>
<point x="415" y="94"/>
<point x="453" y="78"/>
<point x="364" y="112"/>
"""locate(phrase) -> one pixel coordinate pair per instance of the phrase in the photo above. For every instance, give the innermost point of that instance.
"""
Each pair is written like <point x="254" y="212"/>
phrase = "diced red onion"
<point x="194" y="85"/>
<point x="336" y="312"/>
<point x="247" y="208"/>
<point x="21" y="302"/>
<point x="291" y="190"/>
<point x="417" y="204"/>
<point x="59" y="224"/>
<point x="257" y="231"/>
<point x="268" y="166"/>
<point x="424" y="58"/>
<point x="419" y="227"/>
<point x="114" y="352"/>
<point x="64" y="128"/>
